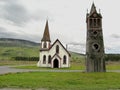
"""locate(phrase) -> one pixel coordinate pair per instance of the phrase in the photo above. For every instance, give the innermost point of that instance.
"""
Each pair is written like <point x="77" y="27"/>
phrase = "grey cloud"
<point x="75" y="43"/>
<point x="4" y="33"/>
<point x="14" y="12"/>
<point x="7" y="34"/>
<point x="116" y="36"/>
<point x="42" y="15"/>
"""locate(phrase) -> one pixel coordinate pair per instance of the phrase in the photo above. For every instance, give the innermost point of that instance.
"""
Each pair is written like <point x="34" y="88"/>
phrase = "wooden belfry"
<point x="94" y="45"/>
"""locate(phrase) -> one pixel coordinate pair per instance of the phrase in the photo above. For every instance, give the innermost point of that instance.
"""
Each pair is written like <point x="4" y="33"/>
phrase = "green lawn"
<point x="62" y="81"/>
<point x="74" y="66"/>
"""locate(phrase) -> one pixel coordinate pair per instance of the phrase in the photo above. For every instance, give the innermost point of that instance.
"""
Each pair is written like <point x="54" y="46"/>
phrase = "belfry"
<point x="94" y="44"/>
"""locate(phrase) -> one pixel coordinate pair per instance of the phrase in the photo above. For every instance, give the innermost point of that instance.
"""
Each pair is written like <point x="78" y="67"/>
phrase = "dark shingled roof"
<point x="46" y="35"/>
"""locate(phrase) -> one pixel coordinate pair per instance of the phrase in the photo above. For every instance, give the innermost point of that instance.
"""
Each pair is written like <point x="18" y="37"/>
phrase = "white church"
<point x="52" y="55"/>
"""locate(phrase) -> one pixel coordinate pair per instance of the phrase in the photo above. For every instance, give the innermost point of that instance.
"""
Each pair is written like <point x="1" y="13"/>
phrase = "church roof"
<point x="56" y="55"/>
<point x="46" y="35"/>
<point x="53" y="45"/>
<point x="61" y="45"/>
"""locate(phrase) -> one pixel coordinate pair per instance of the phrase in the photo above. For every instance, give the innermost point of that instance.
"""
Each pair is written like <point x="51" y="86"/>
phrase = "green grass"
<point x="74" y="66"/>
<point x="62" y="81"/>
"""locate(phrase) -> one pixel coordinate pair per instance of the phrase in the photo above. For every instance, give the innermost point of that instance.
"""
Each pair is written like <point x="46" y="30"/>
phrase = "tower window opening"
<point x="45" y="45"/>
<point x="99" y="22"/>
<point x="95" y="23"/>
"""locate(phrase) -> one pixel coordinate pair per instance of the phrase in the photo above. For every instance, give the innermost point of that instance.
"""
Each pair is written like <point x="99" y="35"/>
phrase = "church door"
<point x="56" y="63"/>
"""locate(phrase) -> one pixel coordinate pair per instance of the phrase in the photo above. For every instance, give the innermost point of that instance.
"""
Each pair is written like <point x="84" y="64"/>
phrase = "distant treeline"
<point x="26" y="58"/>
<point x="112" y="57"/>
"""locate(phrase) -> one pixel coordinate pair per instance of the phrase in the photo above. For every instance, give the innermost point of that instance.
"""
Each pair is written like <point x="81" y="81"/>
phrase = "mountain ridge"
<point x="17" y="42"/>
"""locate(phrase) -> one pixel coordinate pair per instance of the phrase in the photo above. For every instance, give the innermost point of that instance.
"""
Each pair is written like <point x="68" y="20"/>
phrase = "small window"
<point x="64" y="59"/>
<point x="44" y="45"/>
<point x="57" y="49"/>
<point x="49" y="59"/>
<point x="44" y="59"/>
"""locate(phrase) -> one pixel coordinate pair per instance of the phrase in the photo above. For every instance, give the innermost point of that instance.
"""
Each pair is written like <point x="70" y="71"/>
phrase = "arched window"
<point x="44" y="59"/>
<point x="64" y="59"/>
<point x="49" y="59"/>
<point x="44" y="45"/>
<point x="57" y="49"/>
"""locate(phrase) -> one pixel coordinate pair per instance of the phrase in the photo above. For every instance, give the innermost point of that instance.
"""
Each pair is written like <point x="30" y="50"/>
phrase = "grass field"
<point x="74" y="66"/>
<point x="55" y="80"/>
<point x="62" y="81"/>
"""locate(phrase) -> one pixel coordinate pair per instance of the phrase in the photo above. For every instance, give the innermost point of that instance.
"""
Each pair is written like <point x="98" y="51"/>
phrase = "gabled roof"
<point x="61" y="45"/>
<point x="46" y="35"/>
<point x="56" y="55"/>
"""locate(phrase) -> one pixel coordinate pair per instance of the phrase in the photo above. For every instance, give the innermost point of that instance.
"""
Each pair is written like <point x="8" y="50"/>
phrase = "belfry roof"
<point x="93" y="9"/>
<point x="46" y="35"/>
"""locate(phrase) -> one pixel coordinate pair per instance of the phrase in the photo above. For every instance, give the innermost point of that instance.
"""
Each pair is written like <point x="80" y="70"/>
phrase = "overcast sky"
<point x="25" y="19"/>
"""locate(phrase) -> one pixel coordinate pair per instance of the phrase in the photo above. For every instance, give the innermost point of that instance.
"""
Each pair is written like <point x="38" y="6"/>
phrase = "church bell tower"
<point x="94" y="45"/>
<point x="46" y="42"/>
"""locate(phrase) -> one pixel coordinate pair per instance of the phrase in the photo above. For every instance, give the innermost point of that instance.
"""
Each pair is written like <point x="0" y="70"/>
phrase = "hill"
<point x="10" y="48"/>
<point x="17" y="42"/>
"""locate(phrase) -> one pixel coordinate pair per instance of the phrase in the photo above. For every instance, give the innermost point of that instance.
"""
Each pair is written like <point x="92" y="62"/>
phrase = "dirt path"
<point x="8" y="69"/>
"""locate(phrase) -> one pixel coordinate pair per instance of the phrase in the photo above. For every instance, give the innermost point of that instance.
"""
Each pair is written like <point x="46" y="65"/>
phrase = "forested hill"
<point x="17" y="42"/>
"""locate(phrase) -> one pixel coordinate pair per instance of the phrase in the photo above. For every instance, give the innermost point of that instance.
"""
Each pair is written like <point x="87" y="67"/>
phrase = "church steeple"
<point x="46" y="35"/>
<point x="93" y="9"/>
<point x="46" y="38"/>
<point x="94" y="19"/>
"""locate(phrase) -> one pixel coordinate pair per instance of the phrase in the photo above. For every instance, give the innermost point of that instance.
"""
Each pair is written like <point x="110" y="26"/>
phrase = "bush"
<point x="112" y="57"/>
<point x="26" y="58"/>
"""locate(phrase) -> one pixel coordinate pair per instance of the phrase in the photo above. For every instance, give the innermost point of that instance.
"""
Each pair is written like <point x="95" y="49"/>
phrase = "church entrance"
<point x="56" y="64"/>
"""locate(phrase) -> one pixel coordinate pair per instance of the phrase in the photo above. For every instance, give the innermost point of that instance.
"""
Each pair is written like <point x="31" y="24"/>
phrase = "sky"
<point x="25" y="19"/>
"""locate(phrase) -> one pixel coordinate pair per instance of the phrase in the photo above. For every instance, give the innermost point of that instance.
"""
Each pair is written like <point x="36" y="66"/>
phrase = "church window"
<point x="64" y="59"/>
<point x="44" y="59"/>
<point x="45" y="45"/>
<point x="49" y="59"/>
<point x="57" y="49"/>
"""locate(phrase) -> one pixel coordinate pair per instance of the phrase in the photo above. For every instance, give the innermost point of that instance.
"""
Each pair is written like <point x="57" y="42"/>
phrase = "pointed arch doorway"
<point x="56" y="63"/>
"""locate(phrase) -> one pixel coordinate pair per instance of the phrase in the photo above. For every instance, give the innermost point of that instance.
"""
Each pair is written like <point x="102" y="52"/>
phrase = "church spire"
<point x="46" y="35"/>
<point x="93" y="8"/>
